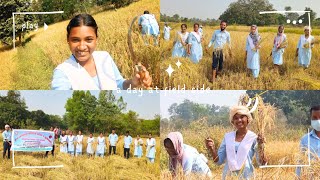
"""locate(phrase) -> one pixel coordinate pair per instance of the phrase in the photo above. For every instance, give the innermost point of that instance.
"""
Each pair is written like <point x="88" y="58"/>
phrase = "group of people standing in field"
<point x="237" y="150"/>
<point x="189" y="44"/>
<point x="73" y="145"/>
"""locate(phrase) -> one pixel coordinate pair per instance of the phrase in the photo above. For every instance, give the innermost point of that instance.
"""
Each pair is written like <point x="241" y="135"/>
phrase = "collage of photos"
<point x="160" y="89"/>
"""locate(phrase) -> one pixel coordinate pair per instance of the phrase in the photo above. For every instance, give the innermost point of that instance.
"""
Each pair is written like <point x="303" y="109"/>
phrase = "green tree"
<point x="7" y="7"/>
<point x="305" y="17"/>
<point x="247" y="12"/>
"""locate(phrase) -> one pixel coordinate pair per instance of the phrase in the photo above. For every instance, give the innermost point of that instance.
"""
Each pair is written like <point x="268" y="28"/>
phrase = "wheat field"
<point x="31" y="66"/>
<point x="82" y="167"/>
<point x="235" y="74"/>
<point x="282" y="148"/>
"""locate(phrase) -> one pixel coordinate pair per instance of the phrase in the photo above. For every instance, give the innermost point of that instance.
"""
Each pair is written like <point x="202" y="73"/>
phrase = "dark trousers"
<point x="217" y="60"/>
<point x="114" y="148"/>
<point x="52" y="152"/>
<point x="126" y="152"/>
<point x="6" y="147"/>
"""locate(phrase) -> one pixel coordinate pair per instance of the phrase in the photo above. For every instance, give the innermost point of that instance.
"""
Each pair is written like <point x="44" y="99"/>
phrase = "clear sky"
<point x="52" y="102"/>
<point x="204" y="9"/>
<point x="221" y="98"/>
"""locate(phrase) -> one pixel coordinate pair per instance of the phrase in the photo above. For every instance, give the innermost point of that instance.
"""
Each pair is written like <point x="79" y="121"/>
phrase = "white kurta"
<point x="166" y="32"/>
<point x="90" y="142"/>
<point x="304" y="52"/>
<point x="63" y="144"/>
<point x="79" y="143"/>
<point x="71" y="140"/>
<point x="138" y="147"/>
<point x="101" y="145"/>
<point x="151" y="151"/>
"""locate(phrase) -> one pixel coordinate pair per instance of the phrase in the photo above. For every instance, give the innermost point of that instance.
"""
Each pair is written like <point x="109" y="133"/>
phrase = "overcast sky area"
<point x="204" y="9"/>
<point x="216" y="97"/>
<point x="147" y="105"/>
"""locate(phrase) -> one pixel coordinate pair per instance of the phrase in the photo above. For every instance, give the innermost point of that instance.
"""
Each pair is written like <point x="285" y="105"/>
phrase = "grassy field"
<point x="235" y="74"/>
<point x="282" y="148"/>
<point x="31" y="66"/>
<point x="110" y="167"/>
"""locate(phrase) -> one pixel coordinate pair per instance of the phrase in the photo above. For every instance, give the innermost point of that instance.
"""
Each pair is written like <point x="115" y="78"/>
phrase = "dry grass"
<point x="110" y="167"/>
<point x="46" y="49"/>
<point x="282" y="147"/>
<point x="235" y="74"/>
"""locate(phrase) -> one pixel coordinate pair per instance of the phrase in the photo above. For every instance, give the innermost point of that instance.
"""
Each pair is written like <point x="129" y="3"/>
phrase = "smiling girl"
<point x="238" y="147"/>
<point x="87" y="69"/>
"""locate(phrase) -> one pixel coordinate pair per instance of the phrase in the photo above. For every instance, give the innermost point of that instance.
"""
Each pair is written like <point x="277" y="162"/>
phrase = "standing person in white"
<point x="101" y="146"/>
<point x="90" y="141"/>
<point x="151" y="148"/>
<point x="166" y="32"/>
<point x="63" y="142"/>
<point x="79" y="143"/>
<point x="113" y="140"/>
<point x="304" y="48"/>
<point x="6" y="135"/>
<point x="127" y="144"/>
<point x="71" y="139"/>
<point x="138" y="142"/>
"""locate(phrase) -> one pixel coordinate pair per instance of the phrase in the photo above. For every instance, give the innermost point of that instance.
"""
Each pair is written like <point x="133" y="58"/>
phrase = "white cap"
<point x="6" y="126"/>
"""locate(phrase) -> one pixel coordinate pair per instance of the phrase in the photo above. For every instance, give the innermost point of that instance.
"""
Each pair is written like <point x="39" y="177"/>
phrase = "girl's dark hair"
<point x="146" y="12"/>
<point x="314" y="108"/>
<point x="184" y="25"/>
<point x="196" y="24"/>
<point x="82" y="20"/>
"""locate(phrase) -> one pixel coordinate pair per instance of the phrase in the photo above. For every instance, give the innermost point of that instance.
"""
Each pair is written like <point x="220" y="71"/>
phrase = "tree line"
<point x="246" y="12"/>
<point x="294" y="105"/>
<point x="83" y="112"/>
<point x="70" y="8"/>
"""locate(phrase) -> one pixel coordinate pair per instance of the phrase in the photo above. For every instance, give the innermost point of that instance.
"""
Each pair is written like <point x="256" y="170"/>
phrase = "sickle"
<point x="137" y="64"/>
<point x="254" y="106"/>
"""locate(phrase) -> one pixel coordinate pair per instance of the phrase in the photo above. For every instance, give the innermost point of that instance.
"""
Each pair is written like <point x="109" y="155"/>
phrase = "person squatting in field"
<point x="149" y="27"/>
<point x="186" y="156"/>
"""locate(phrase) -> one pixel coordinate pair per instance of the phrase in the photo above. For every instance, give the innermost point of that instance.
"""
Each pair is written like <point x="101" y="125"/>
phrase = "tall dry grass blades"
<point x="264" y="116"/>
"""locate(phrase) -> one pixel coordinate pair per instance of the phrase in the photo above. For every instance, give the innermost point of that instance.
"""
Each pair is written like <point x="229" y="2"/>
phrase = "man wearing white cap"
<point x="6" y="135"/>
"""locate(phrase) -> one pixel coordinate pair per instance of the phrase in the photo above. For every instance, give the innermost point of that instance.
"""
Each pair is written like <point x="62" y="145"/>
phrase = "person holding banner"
<point x="71" y="141"/>
<point x="101" y="146"/>
<point x="6" y="135"/>
<point x="113" y="139"/>
<point x="90" y="141"/>
<point x="151" y="148"/>
<point x="79" y="143"/>
<point x="138" y="147"/>
<point x="52" y="151"/>
<point x="63" y="143"/>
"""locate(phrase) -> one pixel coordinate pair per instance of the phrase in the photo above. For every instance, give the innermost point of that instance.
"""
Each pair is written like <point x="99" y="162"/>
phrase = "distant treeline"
<point x="83" y="112"/>
<point x="246" y="12"/>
